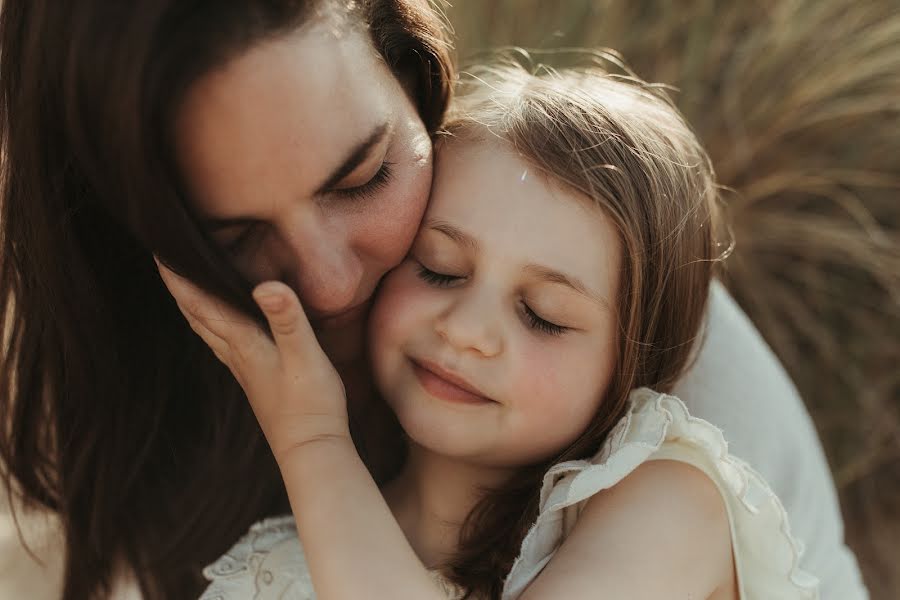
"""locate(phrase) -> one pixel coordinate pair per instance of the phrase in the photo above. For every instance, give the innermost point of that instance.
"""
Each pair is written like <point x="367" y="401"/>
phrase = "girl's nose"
<point x="471" y="324"/>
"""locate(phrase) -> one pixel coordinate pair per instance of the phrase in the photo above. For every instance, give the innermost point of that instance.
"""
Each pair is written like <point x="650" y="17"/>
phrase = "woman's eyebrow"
<point x="357" y="156"/>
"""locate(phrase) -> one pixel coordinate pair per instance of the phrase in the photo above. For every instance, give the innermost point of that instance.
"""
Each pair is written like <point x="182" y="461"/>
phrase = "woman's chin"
<point x="343" y="340"/>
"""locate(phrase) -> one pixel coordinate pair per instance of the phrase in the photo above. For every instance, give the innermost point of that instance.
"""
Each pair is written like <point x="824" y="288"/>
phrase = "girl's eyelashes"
<point x="542" y="325"/>
<point x="378" y="181"/>
<point x="534" y="321"/>
<point x="436" y="279"/>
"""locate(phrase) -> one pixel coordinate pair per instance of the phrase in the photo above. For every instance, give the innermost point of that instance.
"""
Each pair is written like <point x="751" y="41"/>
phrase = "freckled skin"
<point x="546" y="388"/>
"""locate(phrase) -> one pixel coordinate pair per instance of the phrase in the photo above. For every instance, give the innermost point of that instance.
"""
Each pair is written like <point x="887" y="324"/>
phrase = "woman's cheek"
<point x="398" y="310"/>
<point x="392" y="221"/>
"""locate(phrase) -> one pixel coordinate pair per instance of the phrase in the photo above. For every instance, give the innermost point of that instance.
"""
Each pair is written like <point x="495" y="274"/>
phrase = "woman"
<point x="241" y="141"/>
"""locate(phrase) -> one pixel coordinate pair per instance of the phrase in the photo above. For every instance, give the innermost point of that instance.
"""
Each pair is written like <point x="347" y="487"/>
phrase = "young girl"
<point x="561" y="272"/>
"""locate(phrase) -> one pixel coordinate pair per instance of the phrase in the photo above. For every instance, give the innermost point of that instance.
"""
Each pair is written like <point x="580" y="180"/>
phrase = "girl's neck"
<point x="432" y="496"/>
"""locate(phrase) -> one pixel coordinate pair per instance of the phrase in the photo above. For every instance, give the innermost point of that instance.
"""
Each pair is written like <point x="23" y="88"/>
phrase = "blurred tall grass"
<point x="798" y="103"/>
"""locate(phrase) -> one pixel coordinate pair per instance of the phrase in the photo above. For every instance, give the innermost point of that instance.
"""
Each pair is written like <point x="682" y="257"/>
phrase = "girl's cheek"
<point x="400" y="308"/>
<point x="538" y="374"/>
<point x="556" y="379"/>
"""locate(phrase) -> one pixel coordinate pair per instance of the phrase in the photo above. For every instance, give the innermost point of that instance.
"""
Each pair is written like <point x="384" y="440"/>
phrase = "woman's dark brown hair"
<point x="621" y="143"/>
<point x="115" y="415"/>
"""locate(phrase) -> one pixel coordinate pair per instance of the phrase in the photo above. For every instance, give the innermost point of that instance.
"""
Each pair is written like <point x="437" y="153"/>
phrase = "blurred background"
<point x="798" y="103"/>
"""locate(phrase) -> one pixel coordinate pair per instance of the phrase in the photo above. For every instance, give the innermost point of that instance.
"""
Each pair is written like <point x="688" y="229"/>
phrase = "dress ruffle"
<point x="653" y="421"/>
<point x="268" y="563"/>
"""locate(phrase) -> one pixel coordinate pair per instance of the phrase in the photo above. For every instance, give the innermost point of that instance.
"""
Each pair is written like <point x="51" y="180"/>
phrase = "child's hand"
<point x="296" y="394"/>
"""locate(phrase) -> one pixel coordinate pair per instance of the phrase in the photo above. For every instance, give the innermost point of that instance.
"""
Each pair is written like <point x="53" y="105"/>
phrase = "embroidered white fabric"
<point x="268" y="563"/>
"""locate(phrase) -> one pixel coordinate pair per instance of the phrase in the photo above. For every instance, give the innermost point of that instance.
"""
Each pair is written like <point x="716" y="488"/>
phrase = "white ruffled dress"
<point x="268" y="562"/>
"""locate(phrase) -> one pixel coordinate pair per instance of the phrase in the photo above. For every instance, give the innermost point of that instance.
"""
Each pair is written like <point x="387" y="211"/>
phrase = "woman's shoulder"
<point x="266" y="563"/>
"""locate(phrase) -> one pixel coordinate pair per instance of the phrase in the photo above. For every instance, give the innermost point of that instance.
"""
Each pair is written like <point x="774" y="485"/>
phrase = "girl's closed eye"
<point x="378" y="181"/>
<point x="536" y="322"/>
<point x="434" y="278"/>
<point x="532" y="319"/>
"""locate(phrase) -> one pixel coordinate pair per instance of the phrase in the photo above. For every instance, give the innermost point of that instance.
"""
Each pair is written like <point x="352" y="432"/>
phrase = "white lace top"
<point x="268" y="562"/>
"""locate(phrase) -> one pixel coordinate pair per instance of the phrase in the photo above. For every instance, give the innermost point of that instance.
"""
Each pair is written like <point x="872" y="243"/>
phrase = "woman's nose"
<point x="471" y="324"/>
<point x="324" y="270"/>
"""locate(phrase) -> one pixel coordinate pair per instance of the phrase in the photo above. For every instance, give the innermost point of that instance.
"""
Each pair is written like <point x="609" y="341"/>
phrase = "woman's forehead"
<point x="286" y="112"/>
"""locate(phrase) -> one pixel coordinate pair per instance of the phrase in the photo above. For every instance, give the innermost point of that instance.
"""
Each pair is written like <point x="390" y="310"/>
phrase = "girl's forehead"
<point x="510" y="211"/>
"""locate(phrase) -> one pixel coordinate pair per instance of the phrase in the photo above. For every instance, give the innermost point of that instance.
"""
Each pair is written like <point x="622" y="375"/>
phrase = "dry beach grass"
<point x="798" y="102"/>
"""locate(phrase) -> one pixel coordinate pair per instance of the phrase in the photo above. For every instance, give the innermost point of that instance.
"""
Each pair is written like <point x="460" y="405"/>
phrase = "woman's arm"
<point x="353" y="545"/>
<point x="662" y="532"/>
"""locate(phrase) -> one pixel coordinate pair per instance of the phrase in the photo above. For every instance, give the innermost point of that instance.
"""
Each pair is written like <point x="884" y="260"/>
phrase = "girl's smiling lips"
<point x="445" y="384"/>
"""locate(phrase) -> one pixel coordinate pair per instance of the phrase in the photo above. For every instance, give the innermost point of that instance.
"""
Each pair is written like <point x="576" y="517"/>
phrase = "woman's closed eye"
<point x="378" y="181"/>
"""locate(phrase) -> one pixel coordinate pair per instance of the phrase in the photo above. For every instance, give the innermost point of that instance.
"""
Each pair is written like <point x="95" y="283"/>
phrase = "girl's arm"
<point x="662" y="532"/>
<point x="353" y="545"/>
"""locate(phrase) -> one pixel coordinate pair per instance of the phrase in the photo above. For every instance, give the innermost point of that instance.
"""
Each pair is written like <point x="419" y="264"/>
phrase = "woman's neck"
<point x="432" y="497"/>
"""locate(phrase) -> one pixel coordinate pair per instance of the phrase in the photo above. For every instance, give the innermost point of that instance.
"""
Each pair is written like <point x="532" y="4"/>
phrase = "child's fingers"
<point x="216" y="344"/>
<point x="290" y="327"/>
<point x="221" y="327"/>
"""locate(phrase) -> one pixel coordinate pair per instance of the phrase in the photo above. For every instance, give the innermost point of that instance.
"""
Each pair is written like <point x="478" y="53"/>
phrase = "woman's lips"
<point x="446" y="385"/>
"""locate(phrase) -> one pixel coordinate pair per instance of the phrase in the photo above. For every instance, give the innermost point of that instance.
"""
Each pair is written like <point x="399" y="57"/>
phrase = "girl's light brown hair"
<point x="623" y="144"/>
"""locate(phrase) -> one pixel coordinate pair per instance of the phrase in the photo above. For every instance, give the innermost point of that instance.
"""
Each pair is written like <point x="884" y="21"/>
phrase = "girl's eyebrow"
<point x="454" y="233"/>
<point x="553" y="276"/>
<point x="357" y="156"/>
